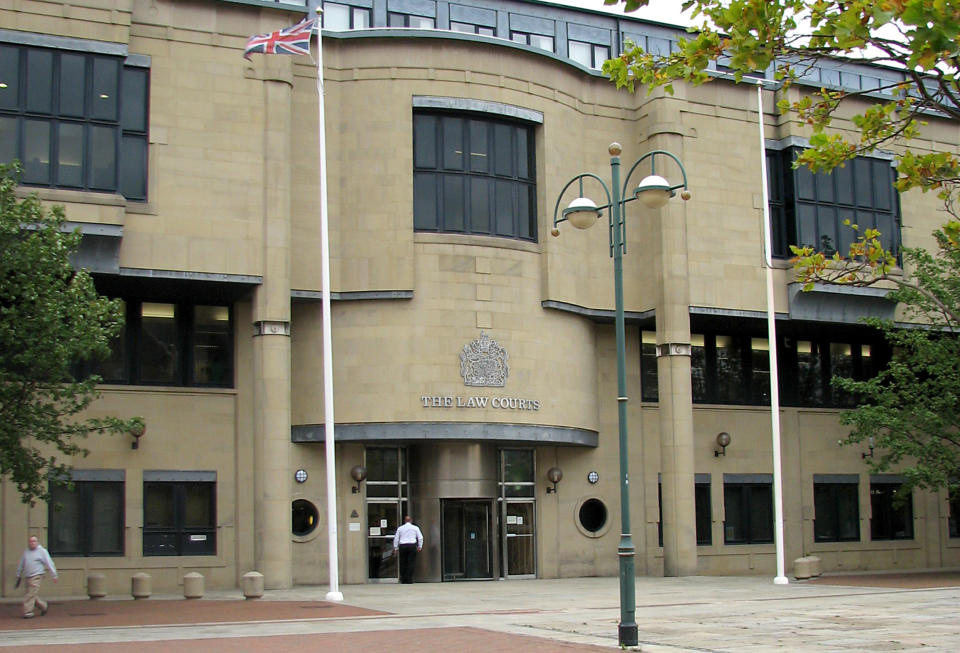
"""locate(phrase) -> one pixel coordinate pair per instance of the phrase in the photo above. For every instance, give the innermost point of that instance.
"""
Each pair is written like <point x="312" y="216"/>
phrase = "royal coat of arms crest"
<point x="483" y="362"/>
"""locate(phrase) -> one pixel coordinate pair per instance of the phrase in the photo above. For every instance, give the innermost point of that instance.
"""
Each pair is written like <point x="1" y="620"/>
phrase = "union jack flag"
<point x="290" y="40"/>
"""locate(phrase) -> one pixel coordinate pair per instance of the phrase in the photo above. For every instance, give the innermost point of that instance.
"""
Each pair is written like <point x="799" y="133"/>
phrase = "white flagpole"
<point x="781" y="578"/>
<point x="334" y="594"/>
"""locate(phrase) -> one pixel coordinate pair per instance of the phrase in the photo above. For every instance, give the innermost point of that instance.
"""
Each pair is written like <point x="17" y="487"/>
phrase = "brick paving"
<point x="908" y="612"/>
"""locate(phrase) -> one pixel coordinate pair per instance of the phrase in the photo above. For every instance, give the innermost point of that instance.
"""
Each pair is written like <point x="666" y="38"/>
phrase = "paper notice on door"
<point x="383" y="523"/>
<point x="511" y="519"/>
<point x="519" y="520"/>
<point x="374" y="530"/>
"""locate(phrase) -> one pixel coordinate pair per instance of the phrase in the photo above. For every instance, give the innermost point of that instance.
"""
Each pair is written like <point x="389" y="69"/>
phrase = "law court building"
<point x="474" y="355"/>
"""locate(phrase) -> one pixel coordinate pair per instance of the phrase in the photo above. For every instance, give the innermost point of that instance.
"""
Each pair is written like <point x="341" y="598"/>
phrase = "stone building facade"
<point x="472" y="352"/>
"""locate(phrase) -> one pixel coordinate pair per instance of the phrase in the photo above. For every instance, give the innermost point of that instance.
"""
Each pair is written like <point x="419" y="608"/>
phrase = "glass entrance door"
<point x="386" y="501"/>
<point x="466" y="540"/>
<point x="519" y="545"/>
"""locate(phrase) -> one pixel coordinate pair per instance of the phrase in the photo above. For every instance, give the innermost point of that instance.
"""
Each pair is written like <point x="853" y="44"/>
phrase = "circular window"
<point x="592" y="516"/>
<point x="305" y="517"/>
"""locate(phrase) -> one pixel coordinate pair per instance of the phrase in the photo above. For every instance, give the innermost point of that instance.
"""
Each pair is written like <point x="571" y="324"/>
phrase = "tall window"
<point x="87" y="520"/>
<point x="811" y="209"/>
<point x="165" y="343"/>
<point x="179" y="517"/>
<point x="836" y="505"/>
<point x="748" y="507"/>
<point x="891" y="509"/>
<point x="473" y="175"/>
<point x="74" y="119"/>
<point x="387" y="496"/>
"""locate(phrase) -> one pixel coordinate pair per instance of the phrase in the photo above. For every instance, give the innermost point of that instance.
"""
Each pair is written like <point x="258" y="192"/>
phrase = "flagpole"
<point x="334" y="594"/>
<point x="781" y="578"/>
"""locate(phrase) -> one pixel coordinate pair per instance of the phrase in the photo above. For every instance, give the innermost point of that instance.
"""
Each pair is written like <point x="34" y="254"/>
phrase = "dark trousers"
<point x="408" y="555"/>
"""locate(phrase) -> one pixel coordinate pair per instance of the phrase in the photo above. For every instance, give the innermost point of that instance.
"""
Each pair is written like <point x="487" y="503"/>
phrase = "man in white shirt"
<point x="34" y="563"/>
<point x="408" y="540"/>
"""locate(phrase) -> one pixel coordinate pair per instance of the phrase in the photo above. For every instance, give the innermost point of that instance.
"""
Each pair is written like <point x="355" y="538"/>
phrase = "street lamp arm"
<point x="559" y="216"/>
<point x="629" y="197"/>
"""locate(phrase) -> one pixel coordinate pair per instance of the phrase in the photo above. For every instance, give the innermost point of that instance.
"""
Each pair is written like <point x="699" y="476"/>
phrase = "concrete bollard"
<point x="96" y="585"/>
<point x="252" y="584"/>
<point x="806" y="567"/>
<point x="193" y="585"/>
<point x="141" y="585"/>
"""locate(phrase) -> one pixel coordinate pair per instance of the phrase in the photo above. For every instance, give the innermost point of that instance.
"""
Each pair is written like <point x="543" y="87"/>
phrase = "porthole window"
<point x="592" y="518"/>
<point x="305" y="517"/>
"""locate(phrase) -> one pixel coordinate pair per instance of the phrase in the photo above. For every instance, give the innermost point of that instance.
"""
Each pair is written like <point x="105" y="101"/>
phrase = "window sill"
<point x="166" y="389"/>
<point x="423" y="237"/>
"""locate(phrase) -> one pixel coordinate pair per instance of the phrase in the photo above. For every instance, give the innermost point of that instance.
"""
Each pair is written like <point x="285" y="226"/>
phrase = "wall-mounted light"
<point x="554" y="475"/>
<point x="723" y="441"/>
<point x="300" y="476"/>
<point x="137" y="428"/>
<point x="870" y="444"/>
<point x="358" y="473"/>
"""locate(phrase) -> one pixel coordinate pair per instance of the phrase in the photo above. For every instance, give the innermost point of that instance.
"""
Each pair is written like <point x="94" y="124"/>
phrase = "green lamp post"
<point x="653" y="191"/>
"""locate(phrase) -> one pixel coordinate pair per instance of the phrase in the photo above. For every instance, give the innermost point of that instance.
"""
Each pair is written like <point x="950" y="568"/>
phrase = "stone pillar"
<point x="271" y="345"/>
<point x="669" y="228"/>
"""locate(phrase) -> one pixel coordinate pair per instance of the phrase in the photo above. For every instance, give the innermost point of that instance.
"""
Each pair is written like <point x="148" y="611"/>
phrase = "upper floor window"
<point x="588" y="54"/>
<point x="728" y="368"/>
<point x="810" y="209"/>
<point x="166" y="343"/>
<point x="473" y="175"/>
<point x="409" y="20"/>
<point x="337" y="16"/>
<point x="74" y="119"/>
<point x="470" y="28"/>
<point x="536" y="40"/>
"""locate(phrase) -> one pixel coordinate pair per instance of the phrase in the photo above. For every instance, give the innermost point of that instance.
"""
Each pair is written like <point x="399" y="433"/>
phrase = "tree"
<point x="912" y="408"/>
<point x="51" y="318"/>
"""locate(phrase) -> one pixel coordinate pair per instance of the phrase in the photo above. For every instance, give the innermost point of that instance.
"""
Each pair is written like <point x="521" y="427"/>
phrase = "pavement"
<point x="853" y="612"/>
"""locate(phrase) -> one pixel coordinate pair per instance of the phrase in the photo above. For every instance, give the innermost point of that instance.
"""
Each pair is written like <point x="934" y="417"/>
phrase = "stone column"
<point x="271" y="344"/>
<point x="665" y="132"/>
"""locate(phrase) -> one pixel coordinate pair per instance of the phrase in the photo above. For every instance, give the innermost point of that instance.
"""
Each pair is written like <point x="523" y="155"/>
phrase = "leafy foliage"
<point x="918" y="37"/>
<point x="51" y="317"/>
<point x="912" y="408"/>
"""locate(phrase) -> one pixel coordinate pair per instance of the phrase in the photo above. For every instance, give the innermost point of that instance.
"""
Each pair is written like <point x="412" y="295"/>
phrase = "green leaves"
<point x="51" y="318"/>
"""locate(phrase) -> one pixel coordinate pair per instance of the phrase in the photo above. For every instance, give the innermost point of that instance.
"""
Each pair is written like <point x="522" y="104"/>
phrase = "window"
<point x="588" y="54"/>
<point x="338" y="16"/>
<point x="536" y="40"/>
<point x="836" y="508"/>
<point x="704" y="512"/>
<point x="748" y="507"/>
<point x="735" y="369"/>
<point x="517" y="473"/>
<point x="164" y="343"/>
<point x="407" y="20"/>
<point x="386" y="502"/>
<point x="74" y="119"/>
<point x="179" y="516"/>
<point x="891" y="509"/>
<point x="473" y="175"/>
<point x="89" y="519"/>
<point x="954" y="501"/>
<point x="811" y="209"/>
<point x="470" y="28"/>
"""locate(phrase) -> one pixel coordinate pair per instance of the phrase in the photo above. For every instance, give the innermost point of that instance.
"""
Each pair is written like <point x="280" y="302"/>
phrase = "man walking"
<point x="34" y="563"/>
<point x="408" y="540"/>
